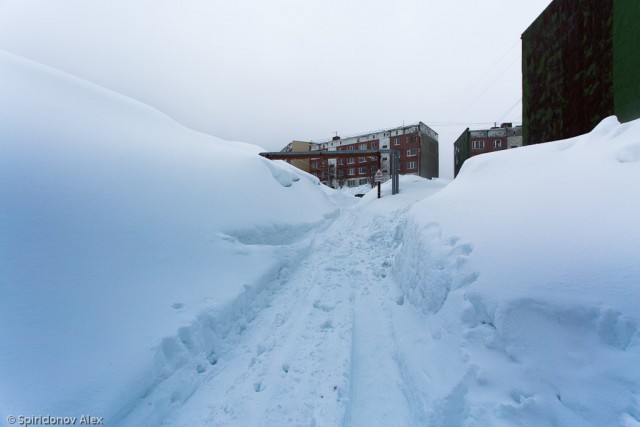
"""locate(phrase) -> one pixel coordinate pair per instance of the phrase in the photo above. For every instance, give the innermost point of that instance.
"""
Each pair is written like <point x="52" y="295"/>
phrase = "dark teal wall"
<point x="626" y="59"/>
<point x="567" y="59"/>
<point x="461" y="151"/>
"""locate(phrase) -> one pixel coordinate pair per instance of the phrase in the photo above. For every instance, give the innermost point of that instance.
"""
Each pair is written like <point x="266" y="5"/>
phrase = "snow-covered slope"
<point x="152" y="276"/>
<point x="527" y="268"/>
<point x="119" y="226"/>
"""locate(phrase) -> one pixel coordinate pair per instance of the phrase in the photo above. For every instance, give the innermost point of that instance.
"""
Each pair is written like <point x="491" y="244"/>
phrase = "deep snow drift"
<point x="152" y="275"/>
<point x="118" y="228"/>
<point x="539" y="319"/>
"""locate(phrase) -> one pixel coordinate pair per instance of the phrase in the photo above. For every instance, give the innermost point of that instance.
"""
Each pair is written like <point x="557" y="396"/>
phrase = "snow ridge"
<point x="442" y="266"/>
<point x="537" y="313"/>
<point x="185" y="360"/>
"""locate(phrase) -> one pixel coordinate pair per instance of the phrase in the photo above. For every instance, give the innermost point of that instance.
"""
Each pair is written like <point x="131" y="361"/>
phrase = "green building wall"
<point x="567" y="58"/>
<point x="580" y="64"/>
<point x="626" y="59"/>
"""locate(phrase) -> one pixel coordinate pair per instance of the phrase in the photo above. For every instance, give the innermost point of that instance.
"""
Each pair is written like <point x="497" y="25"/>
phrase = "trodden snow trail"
<point x="322" y="351"/>
<point x="376" y="393"/>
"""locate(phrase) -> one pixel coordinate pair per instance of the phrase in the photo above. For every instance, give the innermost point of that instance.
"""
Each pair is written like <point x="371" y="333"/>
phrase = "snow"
<point x="118" y="231"/>
<point x="153" y="275"/>
<point x="361" y="189"/>
<point x="531" y="274"/>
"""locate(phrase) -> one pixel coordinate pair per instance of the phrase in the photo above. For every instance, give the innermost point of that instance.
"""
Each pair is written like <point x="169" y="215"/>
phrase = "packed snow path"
<point x="319" y="345"/>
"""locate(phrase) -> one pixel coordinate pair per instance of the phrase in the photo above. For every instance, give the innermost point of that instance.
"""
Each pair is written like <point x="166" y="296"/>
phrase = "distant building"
<point x="580" y="64"/>
<point x="417" y="145"/>
<point x="323" y="169"/>
<point x="473" y="142"/>
<point x="302" y="164"/>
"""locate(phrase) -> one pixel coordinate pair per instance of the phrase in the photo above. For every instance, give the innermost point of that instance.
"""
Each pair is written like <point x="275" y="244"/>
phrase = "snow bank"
<point x="154" y="275"/>
<point x="528" y="268"/>
<point x="123" y="233"/>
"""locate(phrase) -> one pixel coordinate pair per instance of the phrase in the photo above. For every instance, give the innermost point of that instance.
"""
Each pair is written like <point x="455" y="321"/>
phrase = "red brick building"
<point x="357" y="170"/>
<point x="321" y="168"/>
<point x="417" y="145"/>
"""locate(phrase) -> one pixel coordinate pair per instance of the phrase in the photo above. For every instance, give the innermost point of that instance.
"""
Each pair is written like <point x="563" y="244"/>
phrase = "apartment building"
<point x="473" y="142"/>
<point x="417" y="145"/>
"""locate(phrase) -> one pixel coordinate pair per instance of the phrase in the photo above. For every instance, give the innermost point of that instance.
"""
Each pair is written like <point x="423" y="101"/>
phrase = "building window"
<point x="341" y="161"/>
<point x="373" y="169"/>
<point x="412" y="152"/>
<point x="497" y="143"/>
<point x="351" y="148"/>
<point x="362" y="170"/>
<point x="340" y="174"/>
<point x="351" y="183"/>
<point x="374" y="145"/>
<point x="352" y="171"/>
<point x="476" y="145"/>
<point x="411" y="165"/>
<point x="363" y="181"/>
<point x="362" y="159"/>
<point x="396" y="141"/>
<point x="362" y="147"/>
<point x="351" y="160"/>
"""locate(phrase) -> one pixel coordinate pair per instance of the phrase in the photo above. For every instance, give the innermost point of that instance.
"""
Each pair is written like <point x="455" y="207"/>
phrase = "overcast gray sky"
<point x="268" y="72"/>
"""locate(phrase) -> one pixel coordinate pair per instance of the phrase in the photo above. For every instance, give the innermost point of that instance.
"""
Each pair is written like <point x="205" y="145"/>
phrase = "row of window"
<point x="372" y="168"/>
<point x="476" y="145"/>
<point x="374" y="146"/>
<point x="354" y="182"/>
<point x="352" y="160"/>
<point x="363" y="169"/>
<point x="411" y="152"/>
<point x="411" y="140"/>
